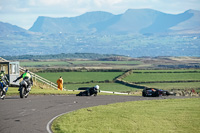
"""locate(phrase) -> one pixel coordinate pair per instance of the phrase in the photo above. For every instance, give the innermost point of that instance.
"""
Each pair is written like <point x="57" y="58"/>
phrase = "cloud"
<point x="114" y="6"/>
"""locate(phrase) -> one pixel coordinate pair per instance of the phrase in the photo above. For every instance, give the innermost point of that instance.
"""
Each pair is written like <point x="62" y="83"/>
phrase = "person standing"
<point x="60" y="83"/>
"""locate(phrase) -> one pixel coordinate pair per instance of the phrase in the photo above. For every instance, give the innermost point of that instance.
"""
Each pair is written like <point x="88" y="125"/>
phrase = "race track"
<point x="32" y="114"/>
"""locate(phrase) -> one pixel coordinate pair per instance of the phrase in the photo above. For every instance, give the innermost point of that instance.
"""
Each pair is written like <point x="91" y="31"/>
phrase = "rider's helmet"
<point x="97" y="87"/>
<point x="2" y="73"/>
<point x="26" y="70"/>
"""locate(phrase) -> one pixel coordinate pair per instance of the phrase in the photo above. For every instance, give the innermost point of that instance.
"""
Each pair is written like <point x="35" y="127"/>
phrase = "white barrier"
<point x="114" y="92"/>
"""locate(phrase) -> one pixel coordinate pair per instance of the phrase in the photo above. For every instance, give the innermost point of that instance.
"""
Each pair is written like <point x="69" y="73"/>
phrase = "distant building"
<point x="11" y="70"/>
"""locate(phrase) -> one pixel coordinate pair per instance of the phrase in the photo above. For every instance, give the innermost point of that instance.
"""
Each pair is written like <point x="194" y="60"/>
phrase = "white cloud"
<point x="32" y="2"/>
<point x="52" y="2"/>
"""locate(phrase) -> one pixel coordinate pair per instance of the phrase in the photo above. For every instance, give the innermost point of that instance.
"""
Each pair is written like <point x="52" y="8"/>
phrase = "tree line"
<point x="60" y="56"/>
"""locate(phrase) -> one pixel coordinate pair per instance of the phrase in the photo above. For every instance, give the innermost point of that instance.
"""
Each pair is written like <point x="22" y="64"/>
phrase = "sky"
<point x="24" y="13"/>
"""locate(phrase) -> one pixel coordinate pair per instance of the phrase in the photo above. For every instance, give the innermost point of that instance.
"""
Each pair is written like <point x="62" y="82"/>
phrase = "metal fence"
<point x="39" y="78"/>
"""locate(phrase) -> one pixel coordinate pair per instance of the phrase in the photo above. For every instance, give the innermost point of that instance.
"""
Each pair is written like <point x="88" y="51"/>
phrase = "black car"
<point x="153" y="92"/>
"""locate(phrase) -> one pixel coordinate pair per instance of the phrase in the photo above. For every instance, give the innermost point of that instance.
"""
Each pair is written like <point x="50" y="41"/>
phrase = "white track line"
<point x="49" y="123"/>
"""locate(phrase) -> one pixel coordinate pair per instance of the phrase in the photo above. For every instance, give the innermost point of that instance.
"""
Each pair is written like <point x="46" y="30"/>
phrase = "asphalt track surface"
<point x="31" y="115"/>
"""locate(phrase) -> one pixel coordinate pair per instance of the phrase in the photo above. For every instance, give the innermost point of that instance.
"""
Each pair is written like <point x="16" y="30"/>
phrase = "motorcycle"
<point x="3" y="93"/>
<point x="23" y="89"/>
<point x="84" y="93"/>
<point x="88" y="91"/>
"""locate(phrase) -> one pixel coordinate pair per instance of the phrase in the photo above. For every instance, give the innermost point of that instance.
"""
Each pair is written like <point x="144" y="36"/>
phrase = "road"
<point x="32" y="114"/>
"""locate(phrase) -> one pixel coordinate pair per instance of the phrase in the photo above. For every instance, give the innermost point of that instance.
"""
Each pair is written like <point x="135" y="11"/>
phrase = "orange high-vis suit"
<point x="60" y="84"/>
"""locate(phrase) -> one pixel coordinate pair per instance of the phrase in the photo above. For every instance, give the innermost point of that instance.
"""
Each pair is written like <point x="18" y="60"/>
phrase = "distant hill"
<point x="191" y="25"/>
<point x="72" y="25"/>
<point x="135" y="33"/>
<point x="65" y="56"/>
<point x="132" y="21"/>
<point x="7" y="29"/>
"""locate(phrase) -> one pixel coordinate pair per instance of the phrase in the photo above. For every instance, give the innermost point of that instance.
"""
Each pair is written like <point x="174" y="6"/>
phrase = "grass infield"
<point x="155" y="116"/>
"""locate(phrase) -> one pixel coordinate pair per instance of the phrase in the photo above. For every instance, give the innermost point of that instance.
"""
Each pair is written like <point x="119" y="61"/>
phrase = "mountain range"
<point x="132" y="21"/>
<point x="140" y="21"/>
<point x="136" y="33"/>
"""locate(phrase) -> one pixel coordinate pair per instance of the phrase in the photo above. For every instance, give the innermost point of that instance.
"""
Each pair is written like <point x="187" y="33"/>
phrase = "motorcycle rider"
<point x="94" y="90"/>
<point x="89" y="92"/>
<point x="4" y="81"/>
<point x="27" y="77"/>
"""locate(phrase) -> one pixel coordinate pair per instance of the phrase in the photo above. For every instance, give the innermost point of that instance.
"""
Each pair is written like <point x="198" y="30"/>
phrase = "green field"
<point x="80" y="76"/>
<point x="148" y="77"/>
<point x="155" y="77"/>
<point x="74" y="80"/>
<point x="115" y="87"/>
<point x="155" y="116"/>
<point x="87" y="77"/>
<point x="168" y="71"/>
<point x="75" y="63"/>
<point x="107" y="62"/>
<point x="169" y="86"/>
<point x="43" y="64"/>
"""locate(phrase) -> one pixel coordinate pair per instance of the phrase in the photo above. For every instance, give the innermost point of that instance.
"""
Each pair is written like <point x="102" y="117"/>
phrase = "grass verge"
<point x="39" y="91"/>
<point x="155" y="116"/>
<point x="48" y="91"/>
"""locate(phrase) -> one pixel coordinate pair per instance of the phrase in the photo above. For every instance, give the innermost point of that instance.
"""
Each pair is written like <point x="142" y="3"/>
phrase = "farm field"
<point x="163" y="75"/>
<point x="166" y="79"/>
<point x="76" y="79"/>
<point x="169" y="86"/>
<point x="80" y="76"/>
<point x="149" y="78"/>
<point x="115" y="87"/>
<point x="76" y="63"/>
<point x="43" y="64"/>
<point x="111" y="62"/>
<point x="168" y="71"/>
<point x="107" y="62"/>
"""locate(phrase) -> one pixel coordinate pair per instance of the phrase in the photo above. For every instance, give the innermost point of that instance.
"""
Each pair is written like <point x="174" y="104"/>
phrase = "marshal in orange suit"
<point x="60" y="83"/>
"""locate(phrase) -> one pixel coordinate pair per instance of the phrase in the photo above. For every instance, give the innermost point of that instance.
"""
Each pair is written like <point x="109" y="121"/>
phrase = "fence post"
<point x="35" y="79"/>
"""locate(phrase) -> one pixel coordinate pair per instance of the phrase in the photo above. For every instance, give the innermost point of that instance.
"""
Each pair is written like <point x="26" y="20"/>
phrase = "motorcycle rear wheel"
<point x="22" y="92"/>
<point x="2" y="95"/>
